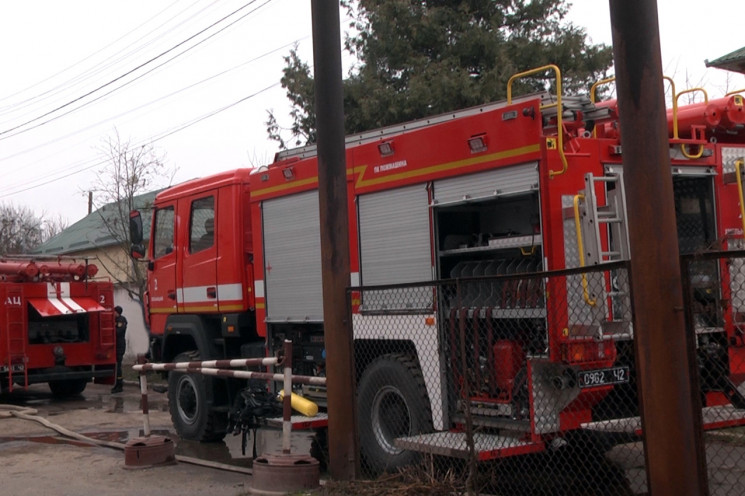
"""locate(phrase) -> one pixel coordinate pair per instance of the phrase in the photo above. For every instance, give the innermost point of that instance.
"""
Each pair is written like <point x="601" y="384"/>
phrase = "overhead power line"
<point x="74" y="169"/>
<point x="5" y="134"/>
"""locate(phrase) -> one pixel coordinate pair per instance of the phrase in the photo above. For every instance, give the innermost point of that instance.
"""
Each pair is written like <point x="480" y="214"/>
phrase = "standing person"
<point x="121" y="346"/>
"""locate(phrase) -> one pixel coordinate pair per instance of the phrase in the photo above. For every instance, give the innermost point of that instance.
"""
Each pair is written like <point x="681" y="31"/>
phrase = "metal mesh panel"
<point x="526" y="383"/>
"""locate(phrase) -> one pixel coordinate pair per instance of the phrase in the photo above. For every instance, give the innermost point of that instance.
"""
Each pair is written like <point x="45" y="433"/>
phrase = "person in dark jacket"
<point x="121" y="345"/>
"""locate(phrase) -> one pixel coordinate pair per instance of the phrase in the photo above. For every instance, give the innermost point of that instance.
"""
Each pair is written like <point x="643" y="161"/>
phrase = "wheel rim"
<point x="187" y="402"/>
<point x="391" y="418"/>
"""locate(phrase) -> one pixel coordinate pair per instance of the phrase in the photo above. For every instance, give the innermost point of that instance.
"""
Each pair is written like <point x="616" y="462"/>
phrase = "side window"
<point x="202" y="227"/>
<point x="163" y="233"/>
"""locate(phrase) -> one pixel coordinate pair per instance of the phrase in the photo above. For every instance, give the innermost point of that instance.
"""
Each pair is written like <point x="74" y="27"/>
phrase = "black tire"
<point x="392" y="402"/>
<point x="67" y="387"/>
<point x="189" y="401"/>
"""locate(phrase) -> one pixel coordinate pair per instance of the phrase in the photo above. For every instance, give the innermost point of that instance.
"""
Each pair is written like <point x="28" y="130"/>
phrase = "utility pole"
<point x="665" y="355"/>
<point x="332" y="199"/>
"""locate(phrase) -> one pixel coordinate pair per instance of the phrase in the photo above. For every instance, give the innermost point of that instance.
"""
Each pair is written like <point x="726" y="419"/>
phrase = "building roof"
<point x="734" y="61"/>
<point x="91" y="232"/>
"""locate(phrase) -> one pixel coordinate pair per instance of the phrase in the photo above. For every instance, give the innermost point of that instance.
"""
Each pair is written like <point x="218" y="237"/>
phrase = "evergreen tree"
<point x="425" y="57"/>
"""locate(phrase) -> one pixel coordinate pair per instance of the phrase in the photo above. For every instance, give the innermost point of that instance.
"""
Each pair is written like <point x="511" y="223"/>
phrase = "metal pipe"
<point x="213" y="364"/>
<point x="236" y="374"/>
<point x="664" y="353"/>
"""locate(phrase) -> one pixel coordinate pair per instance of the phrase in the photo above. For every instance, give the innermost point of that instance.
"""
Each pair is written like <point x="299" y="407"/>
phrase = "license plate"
<point x="603" y="377"/>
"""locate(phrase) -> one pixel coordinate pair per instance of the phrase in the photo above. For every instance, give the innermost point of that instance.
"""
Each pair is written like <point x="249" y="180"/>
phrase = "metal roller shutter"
<point x="394" y="236"/>
<point x="505" y="180"/>
<point x="292" y="262"/>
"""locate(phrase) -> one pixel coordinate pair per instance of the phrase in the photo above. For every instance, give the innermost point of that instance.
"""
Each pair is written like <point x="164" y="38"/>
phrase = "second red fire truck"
<point x="56" y="325"/>
<point x="531" y="185"/>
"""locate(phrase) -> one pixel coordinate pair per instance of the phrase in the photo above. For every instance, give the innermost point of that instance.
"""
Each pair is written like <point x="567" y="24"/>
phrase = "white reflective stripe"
<point x="73" y="305"/>
<point x="64" y="295"/>
<point x="354" y="279"/>
<point x="198" y="294"/>
<point x="194" y="294"/>
<point x="259" y="288"/>
<point x="59" y="305"/>
<point x="230" y="292"/>
<point x="53" y="296"/>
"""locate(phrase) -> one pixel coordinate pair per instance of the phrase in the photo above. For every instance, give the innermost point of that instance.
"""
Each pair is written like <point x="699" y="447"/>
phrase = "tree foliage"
<point x="20" y="230"/>
<point x="424" y="57"/>
<point x="130" y="170"/>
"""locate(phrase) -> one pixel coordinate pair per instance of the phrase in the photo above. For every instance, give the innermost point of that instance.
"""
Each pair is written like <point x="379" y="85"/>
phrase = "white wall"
<point x="137" y="337"/>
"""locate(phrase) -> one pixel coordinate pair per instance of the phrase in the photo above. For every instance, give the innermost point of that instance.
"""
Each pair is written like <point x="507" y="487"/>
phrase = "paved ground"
<point x="34" y="460"/>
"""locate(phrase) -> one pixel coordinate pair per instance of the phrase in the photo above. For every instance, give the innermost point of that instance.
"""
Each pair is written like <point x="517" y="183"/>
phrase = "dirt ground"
<point x="35" y="460"/>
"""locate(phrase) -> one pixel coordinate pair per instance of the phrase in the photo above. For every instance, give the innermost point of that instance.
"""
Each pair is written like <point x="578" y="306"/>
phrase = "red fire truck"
<point x="57" y="325"/>
<point x="528" y="185"/>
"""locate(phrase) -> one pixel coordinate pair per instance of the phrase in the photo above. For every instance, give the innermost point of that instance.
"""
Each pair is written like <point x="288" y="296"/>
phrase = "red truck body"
<point x="505" y="188"/>
<point x="57" y="326"/>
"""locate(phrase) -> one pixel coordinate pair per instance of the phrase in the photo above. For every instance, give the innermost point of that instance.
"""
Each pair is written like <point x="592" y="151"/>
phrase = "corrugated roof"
<point x="734" y="61"/>
<point x="91" y="232"/>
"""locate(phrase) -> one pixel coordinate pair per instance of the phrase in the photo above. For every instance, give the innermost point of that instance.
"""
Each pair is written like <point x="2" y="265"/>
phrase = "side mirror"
<point x="135" y="235"/>
<point x="135" y="227"/>
<point x="137" y="251"/>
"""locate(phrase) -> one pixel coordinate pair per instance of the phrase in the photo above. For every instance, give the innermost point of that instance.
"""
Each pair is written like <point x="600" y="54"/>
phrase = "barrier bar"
<point x="287" y="398"/>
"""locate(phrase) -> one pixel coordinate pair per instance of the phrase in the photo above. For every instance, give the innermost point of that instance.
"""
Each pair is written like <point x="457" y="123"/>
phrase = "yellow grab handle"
<point x="738" y="171"/>
<point x="559" y="108"/>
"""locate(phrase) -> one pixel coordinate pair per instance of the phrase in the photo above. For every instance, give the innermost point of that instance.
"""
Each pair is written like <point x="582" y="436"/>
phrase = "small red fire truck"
<point x="56" y="325"/>
<point x="529" y="185"/>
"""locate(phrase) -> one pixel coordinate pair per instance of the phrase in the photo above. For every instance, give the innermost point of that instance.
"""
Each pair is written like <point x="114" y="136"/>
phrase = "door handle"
<point x="211" y="292"/>
<point x="172" y="295"/>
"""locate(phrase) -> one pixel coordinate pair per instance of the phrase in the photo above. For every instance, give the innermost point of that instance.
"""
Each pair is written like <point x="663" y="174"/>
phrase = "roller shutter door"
<point x="292" y="261"/>
<point x="506" y="180"/>
<point x="395" y="236"/>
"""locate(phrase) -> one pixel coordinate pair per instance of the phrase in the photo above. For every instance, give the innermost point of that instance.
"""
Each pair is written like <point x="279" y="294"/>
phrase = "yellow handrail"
<point x="581" y="247"/>
<point x="598" y="83"/>
<point x="738" y="164"/>
<point x="672" y="89"/>
<point x="592" y="96"/>
<point x="559" y="122"/>
<point x="675" y="106"/>
<point x="735" y="92"/>
<point x="675" y="123"/>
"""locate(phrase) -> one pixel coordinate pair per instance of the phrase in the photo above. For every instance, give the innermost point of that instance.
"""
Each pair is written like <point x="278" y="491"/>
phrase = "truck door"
<point x="198" y="273"/>
<point x="162" y="277"/>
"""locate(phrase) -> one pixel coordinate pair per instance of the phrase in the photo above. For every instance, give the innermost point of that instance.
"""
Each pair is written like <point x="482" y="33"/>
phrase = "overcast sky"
<point x="75" y="72"/>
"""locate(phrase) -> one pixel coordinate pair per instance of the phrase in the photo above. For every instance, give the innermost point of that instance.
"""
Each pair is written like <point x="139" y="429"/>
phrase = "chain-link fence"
<point x="525" y="383"/>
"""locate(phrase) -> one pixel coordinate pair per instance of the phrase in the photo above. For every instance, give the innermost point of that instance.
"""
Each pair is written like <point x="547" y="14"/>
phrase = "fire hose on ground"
<point x="214" y="368"/>
<point x="27" y="413"/>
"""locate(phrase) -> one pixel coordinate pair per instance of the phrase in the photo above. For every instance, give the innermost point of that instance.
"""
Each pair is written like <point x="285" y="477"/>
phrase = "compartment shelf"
<point x="498" y="244"/>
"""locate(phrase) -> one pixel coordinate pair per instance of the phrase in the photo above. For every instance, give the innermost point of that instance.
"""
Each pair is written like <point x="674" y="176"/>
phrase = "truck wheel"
<point x="392" y="402"/>
<point x="188" y="396"/>
<point x="67" y="387"/>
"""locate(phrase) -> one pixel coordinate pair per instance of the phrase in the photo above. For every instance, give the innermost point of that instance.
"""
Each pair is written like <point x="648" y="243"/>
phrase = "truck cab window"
<point x="202" y="227"/>
<point x="163" y="233"/>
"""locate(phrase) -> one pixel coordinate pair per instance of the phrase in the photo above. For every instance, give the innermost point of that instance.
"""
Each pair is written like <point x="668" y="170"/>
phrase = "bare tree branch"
<point x="130" y="171"/>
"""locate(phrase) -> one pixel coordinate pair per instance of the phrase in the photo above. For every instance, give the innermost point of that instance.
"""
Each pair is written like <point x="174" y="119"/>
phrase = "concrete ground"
<point x="36" y="460"/>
